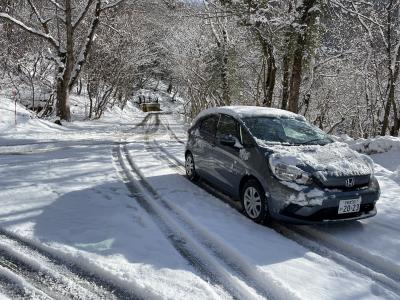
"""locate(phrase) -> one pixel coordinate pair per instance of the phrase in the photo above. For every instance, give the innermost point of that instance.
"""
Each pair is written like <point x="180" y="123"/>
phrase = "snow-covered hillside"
<point x="101" y="210"/>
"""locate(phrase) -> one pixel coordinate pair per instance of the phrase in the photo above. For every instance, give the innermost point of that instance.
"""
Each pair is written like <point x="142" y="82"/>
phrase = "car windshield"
<point x="289" y="131"/>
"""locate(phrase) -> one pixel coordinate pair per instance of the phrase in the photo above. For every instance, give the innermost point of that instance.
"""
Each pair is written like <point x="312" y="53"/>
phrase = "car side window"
<point x="208" y="126"/>
<point x="227" y="126"/>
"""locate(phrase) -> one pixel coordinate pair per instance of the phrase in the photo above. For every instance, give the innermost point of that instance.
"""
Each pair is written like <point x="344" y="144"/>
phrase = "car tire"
<point x="190" y="168"/>
<point x="254" y="202"/>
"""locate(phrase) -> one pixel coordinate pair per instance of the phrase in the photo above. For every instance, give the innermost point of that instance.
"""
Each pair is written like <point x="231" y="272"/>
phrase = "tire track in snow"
<point x="43" y="281"/>
<point x="352" y="258"/>
<point x="195" y="254"/>
<point x="171" y="132"/>
<point x="43" y="273"/>
<point x="265" y="285"/>
<point x="10" y="287"/>
<point x="231" y="260"/>
<point x="384" y="226"/>
<point x="30" y="259"/>
<point x="140" y="124"/>
<point x="17" y="287"/>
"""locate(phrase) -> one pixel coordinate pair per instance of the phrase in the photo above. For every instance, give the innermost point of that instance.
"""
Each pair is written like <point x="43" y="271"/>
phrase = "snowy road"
<point x="48" y="276"/>
<point x="102" y="210"/>
<point x="380" y="276"/>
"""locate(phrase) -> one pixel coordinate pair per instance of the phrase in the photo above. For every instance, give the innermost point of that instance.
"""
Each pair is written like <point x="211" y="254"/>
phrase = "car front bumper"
<point x="323" y="208"/>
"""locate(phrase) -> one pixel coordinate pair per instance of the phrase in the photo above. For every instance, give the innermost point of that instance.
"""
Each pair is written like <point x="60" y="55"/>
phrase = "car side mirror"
<point x="228" y="140"/>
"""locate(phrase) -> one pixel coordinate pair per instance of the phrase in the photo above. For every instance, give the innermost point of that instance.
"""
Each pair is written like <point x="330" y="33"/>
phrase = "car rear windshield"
<point x="290" y="131"/>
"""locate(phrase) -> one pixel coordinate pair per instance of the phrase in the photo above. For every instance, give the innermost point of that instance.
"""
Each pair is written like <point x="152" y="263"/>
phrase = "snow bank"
<point x="396" y="175"/>
<point x="80" y="110"/>
<point x="375" y="145"/>
<point x="7" y="119"/>
<point x="22" y="120"/>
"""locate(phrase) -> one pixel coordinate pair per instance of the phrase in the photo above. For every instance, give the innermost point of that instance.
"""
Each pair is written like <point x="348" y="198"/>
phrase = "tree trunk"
<point x="79" y="87"/>
<point x="224" y="69"/>
<point x="307" y="20"/>
<point x="388" y="106"/>
<point x="396" y="127"/>
<point x="62" y="91"/>
<point x="225" y="82"/>
<point x="174" y="95"/>
<point x="169" y="89"/>
<point x="295" y="81"/>
<point x="65" y="68"/>
<point x="63" y="110"/>
<point x="396" y="123"/>
<point x="269" y="80"/>
<point x="393" y="76"/>
<point x="391" y="83"/>
<point x="68" y="69"/>
<point x="33" y="93"/>
<point x="90" y="95"/>
<point x="287" y="58"/>
<point x="285" y="80"/>
<point x="271" y="77"/>
<point x="73" y="68"/>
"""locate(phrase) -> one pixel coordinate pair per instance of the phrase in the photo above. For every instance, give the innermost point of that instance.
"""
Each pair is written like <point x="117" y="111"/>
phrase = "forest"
<point x="336" y="62"/>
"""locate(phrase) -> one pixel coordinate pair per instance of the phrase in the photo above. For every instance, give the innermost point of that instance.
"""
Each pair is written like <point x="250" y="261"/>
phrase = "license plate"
<point x="349" y="206"/>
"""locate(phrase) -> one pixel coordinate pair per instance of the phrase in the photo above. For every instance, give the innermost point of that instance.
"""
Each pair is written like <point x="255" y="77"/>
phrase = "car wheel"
<point x="190" y="168"/>
<point x="254" y="202"/>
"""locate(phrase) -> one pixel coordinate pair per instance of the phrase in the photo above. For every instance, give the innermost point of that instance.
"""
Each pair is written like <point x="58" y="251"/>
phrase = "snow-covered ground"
<point x="108" y="197"/>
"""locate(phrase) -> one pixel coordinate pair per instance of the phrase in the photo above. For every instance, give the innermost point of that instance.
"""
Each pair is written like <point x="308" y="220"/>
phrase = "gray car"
<point x="279" y="166"/>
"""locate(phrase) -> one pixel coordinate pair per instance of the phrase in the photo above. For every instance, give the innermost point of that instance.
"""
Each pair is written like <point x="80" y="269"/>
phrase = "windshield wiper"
<point x="311" y="141"/>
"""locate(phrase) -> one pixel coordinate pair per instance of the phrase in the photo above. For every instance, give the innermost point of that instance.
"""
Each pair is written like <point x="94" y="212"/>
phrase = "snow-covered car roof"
<point x="248" y="111"/>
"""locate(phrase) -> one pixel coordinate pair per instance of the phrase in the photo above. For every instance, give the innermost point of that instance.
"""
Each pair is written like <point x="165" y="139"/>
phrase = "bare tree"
<point x="61" y="29"/>
<point x="308" y="13"/>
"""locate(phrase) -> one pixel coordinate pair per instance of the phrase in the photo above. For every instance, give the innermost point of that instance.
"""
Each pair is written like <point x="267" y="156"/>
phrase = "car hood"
<point x="335" y="159"/>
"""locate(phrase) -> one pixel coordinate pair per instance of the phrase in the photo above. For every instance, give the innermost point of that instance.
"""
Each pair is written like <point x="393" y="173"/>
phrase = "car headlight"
<point x="290" y="173"/>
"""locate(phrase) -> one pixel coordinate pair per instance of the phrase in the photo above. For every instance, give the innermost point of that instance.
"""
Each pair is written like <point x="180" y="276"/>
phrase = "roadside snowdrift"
<point x="375" y="145"/>
<point x="22" y="120"/>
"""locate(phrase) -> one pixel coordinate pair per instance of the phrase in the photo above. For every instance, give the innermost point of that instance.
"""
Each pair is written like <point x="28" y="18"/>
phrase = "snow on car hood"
<point x="335" y="159"/>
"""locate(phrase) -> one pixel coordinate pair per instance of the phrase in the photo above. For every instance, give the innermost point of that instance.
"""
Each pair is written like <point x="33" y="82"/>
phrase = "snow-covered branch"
<point x="57" y="5"/>
<point x="110" y="4"/>
<point x="338" y="4"/>
<point x="82" y="14"/>
<point x="31" y="30"/>
<point x="38" y="16"/>
<point x="87" y="45"/>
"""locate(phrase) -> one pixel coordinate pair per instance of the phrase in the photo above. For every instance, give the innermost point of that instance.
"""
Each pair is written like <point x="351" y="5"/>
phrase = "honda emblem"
<point x="349" y="182"/>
